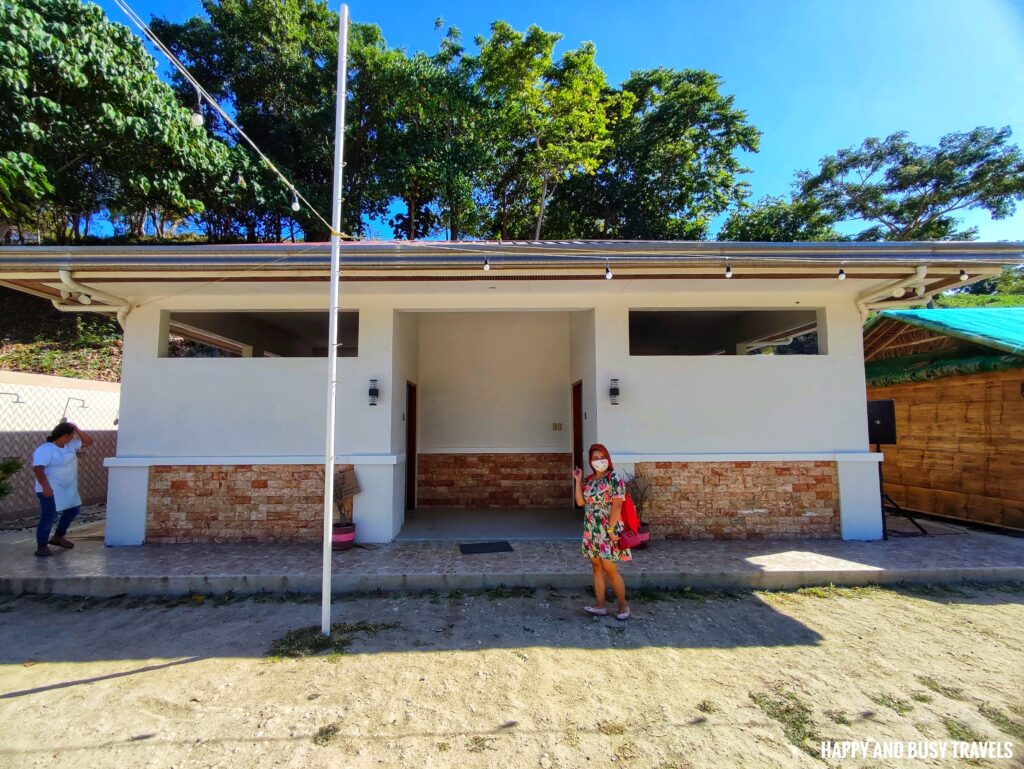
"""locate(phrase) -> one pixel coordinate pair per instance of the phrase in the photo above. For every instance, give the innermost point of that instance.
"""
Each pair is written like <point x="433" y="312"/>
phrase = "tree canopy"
<point x="906" y="191"/>
<point x="86" y="124"/>
<point x="508" y="140"/>
<point x="511" y="137"/>
<point x="775" y="220"/>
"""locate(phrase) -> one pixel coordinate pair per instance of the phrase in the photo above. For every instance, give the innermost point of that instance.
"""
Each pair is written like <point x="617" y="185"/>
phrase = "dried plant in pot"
<point x="639" y="489"/>
<point x="343" y="533"/>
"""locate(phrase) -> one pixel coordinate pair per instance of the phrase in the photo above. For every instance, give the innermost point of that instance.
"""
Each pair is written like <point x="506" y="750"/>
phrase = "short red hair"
<point x="599" y="447"/>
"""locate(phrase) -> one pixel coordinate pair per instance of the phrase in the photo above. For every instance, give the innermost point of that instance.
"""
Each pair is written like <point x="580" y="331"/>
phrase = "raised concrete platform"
<point x="950" y="555"/>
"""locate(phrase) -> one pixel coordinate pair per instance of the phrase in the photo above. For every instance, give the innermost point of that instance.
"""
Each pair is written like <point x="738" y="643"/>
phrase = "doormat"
<point x="485" y="547"/>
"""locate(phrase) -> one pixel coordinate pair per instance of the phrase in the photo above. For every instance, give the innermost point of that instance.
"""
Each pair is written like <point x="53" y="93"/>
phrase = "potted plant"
<point x="639" y="490"/>
<point x="343" y="533"/>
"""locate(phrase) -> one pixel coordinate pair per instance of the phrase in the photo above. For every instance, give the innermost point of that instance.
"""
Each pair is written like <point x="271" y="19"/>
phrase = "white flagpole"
<point x="332" y="345"/>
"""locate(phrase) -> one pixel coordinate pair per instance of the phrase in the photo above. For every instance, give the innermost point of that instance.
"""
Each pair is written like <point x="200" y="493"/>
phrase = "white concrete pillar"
<point x="145" y="339"/>
<point x="127" y="493"/>
<point x="860" y="507"/>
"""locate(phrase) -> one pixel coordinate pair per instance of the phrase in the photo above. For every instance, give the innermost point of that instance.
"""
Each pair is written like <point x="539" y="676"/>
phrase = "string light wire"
<point x="151" y="36"/>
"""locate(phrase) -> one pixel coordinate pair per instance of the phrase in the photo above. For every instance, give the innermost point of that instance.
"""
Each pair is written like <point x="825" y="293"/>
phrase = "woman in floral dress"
<point x="601" y="494"/>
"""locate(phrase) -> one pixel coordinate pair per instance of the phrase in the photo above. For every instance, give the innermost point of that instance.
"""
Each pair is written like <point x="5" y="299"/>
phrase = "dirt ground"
<point x="509" y="678"/>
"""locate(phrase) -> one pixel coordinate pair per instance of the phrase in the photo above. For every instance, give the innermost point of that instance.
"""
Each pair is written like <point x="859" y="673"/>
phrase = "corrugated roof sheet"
<point x="1001" y="328"/>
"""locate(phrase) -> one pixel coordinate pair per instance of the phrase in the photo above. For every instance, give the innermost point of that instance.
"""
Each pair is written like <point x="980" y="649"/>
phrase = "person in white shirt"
<point x="55" y="465"/>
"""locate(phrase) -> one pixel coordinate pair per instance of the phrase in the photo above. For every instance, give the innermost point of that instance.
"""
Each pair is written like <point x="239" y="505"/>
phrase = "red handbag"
<point x="631" y="536"/>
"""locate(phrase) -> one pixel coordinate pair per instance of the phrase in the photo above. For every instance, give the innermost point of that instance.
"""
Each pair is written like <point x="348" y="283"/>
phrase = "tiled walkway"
<point x="92" y="569"/>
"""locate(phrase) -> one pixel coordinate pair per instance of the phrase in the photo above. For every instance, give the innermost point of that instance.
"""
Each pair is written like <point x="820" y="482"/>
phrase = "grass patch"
<point x="655" y="594"/>
<point x="707" y="707"/>
<point x="309" y="641"/>
<point x="646" y="595"/>
<point x="920" y="696"/>
<point x="1017" y="710"/>
<point x="838" y="717"/>
<point x="284" y="598"/>
<point x="930" y="590"/>
<point x="952" y="692"/>
<point x="1002" y="721"/>
<point x="325" y="734"/>
<point x="499" y="592"/>
<point x="479" y="744"/>
<point x="444" y="747"/>
<point x="958" y="730"/>
<point x="832" y="591"/>
<point x="611" y="727"/>
<point x="893" y="703"/>
<point x="794" y="715"/>
<point x="456" y="597"/>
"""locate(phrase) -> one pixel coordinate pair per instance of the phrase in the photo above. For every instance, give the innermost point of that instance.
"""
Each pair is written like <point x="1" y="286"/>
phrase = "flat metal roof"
<point x="547" y="254"/>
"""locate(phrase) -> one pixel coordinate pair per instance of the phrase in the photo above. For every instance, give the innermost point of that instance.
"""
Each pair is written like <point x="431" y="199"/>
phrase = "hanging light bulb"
<point x="963" y="275"/>
<point x="607" y="271"/>
<point x="728" y="270"/>
<point x="197" y="113"/>
<point x="842" y="274"/>
<point x="487" y="264"/>
<point x="295" y="201"/>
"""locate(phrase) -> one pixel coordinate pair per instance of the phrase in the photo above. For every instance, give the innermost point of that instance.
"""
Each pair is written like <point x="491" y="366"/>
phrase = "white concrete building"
<point x="493" y="382"/>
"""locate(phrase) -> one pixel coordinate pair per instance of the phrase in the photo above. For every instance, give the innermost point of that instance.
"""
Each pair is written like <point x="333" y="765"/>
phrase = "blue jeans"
<point x="49" y="515"/>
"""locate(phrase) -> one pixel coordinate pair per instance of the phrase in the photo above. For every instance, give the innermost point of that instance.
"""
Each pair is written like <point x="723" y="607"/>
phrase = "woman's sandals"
<point x="603" y="612"/>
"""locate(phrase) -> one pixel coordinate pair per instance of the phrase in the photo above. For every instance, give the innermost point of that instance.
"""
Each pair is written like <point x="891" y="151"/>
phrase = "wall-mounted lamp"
<point x="64" y="416"/>
<point x="613" y="392"/>
<point x="842" y="274"/>
<point x="963" y="274"/>
<point x="374" y="392"/>
<point x="17" y="398"/>
<point x="728" y="270"/>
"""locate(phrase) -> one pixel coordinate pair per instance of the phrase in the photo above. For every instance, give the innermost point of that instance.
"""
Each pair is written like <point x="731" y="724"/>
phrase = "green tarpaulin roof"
<point x="1001" y="328"/>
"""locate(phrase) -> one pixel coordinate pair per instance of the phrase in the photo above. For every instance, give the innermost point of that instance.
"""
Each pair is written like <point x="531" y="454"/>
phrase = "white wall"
<point x="494" y="381"/>
<point x="709" y="404"/>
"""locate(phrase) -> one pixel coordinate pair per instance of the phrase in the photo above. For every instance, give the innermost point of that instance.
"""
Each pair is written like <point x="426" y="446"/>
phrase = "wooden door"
<point x="577" y="425"/>
<point x="410" y="446"/>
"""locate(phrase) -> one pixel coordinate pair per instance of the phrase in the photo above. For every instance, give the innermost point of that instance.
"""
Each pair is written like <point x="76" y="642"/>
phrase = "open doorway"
<point x="577" y="426"/>
<point x="489" y="452"/>
<point x="410" y="446"/>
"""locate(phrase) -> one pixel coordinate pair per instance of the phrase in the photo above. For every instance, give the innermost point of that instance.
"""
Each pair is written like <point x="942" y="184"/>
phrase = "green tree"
<point x="775" y="220"/>
<point x="548" y="120"/>
<point x="433" y="150"/>
<point x="86" y="123"/>
<point x="906" y="191"/>
<point x="671" y="167"/>
<point x="8" y="467"/>
<point x="275" y="62"/>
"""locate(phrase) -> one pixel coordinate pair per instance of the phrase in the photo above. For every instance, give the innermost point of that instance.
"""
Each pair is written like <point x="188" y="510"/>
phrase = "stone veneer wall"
<point x="742" y="500"/>
<point x="237" y="503"/>
<point x="494" y="480"/>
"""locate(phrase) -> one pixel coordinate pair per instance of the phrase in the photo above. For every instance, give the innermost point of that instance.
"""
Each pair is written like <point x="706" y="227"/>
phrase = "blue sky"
<point x="814" y="75"/>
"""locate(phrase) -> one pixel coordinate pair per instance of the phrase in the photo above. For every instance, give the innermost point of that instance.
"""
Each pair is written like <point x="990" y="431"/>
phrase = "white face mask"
<point x="599" y="465"/>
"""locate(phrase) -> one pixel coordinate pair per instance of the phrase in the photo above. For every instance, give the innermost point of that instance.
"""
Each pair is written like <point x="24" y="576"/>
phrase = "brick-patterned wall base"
<point x="494" y="480"/>
<point x="237" y="503"/>
<point x="742" y="500"/>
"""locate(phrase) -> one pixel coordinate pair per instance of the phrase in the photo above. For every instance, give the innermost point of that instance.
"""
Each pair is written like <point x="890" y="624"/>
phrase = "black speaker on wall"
<point x="882" y="422"/>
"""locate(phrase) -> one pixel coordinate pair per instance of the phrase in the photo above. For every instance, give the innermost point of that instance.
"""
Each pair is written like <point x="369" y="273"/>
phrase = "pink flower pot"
<point x="343" y="537"/>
